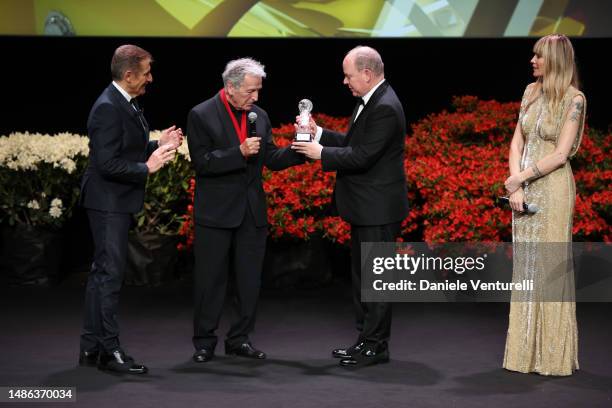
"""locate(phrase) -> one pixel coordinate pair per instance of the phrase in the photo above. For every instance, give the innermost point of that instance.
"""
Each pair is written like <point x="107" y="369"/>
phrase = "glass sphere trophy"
<point x="303" y="133"/>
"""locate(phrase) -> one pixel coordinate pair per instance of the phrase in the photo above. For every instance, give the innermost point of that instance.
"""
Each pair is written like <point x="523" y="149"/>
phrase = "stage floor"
<point x="441" y="354"/>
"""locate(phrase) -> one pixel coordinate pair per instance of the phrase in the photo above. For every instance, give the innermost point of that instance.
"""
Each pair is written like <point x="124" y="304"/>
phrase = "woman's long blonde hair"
<point x="559" y="70"/>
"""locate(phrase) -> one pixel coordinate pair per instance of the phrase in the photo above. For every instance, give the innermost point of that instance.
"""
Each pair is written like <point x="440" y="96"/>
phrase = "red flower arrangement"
<point x="298" y="197"/>
<point x="186" y="231"/>
<point x="456" y="163"/>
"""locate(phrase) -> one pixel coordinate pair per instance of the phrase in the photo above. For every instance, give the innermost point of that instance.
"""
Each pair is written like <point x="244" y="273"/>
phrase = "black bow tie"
<point x="362" y="101"/>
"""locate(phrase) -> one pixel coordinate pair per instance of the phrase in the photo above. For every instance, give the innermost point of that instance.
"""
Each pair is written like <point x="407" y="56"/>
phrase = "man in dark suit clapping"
<point x="370" y="190"/>
<point x="120" y="159"/>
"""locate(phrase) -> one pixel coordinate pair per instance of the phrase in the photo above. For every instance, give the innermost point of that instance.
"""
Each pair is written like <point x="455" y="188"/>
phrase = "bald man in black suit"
<point x="370" y="191"/>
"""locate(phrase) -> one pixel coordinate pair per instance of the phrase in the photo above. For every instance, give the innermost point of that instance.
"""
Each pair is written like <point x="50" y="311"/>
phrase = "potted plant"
<point x="152" y="248"/>
<point x="39" y="187"/>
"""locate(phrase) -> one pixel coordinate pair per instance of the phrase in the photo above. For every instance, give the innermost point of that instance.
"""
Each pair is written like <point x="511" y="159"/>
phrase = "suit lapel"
<point x="129" y="109"/>
<point x="353" y="115"/>
<point x="145" y="124"/>
<point x="230" y="132"/>
<point x="352" y="123"/>
<point x="226" y="122"/>
<point x="373" y="100"/>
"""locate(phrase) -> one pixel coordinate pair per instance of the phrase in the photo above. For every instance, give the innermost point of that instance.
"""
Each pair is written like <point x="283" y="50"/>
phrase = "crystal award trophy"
<point x="303" y="129"/>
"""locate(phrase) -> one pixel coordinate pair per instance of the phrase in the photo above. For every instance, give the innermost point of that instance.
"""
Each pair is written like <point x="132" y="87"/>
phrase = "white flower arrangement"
<point x="166" y="195"/>
<point x="40" y="176"/>
<point x="35" y="167"/>
<point x="27" y="151"/>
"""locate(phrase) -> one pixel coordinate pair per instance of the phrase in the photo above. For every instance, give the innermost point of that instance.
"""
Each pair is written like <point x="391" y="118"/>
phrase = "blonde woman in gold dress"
<point x="542" y="332"/>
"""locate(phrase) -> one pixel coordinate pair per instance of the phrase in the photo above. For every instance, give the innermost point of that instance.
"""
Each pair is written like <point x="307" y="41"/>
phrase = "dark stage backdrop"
<point x="50" y="83"/>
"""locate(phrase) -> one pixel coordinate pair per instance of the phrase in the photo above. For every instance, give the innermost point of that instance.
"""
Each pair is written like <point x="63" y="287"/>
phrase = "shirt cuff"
<point x="318" y="134"/>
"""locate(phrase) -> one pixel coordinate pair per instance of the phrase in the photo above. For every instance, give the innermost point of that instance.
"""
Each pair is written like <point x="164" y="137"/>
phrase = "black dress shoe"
<point x="245" y="350"/>
<point x="349" y="351"/>
<point x="89" y="358"/>
<point x="368" y="356"/>
<point x="119" y="362"/>
<point x="203" y="355"/>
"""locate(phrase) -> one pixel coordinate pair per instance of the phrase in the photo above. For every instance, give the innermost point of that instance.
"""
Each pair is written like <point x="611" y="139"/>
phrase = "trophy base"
<point x="303" y="137"/>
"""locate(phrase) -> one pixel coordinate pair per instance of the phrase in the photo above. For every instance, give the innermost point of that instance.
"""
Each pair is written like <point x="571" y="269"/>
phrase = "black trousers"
<point x="220" y="253"/>
<point x="110" y="236"/>
<point x="373" y="319"/>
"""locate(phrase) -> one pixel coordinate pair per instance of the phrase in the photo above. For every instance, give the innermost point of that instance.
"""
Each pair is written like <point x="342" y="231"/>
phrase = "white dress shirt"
<point x="124" y="93"/>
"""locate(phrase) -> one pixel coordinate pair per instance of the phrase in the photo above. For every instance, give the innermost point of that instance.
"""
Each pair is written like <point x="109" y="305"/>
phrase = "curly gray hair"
<point x="236" y="70"/>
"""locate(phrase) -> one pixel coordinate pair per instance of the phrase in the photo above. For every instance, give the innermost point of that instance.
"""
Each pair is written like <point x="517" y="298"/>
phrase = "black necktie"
<point x="139" y="113"/>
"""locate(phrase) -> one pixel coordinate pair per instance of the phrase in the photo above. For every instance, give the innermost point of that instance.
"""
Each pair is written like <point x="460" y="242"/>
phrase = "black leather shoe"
<point x="368" y="356"/>
<point x="349" y="351"/>
<point x="203" y="355"/>
<point x="245" y="350"/>
<point x="89" y="358"/>
<point x="119" y="362"/>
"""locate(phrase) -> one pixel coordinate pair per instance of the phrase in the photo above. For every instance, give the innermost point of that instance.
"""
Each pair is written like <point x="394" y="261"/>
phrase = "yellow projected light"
<point x="188" y="12"/>
<point x="287" y="18"/>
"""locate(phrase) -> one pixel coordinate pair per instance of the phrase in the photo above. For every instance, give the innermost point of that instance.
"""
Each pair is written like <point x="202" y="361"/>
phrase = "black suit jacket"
<point x="369" y="160"/>
<point x="119" y="146"/>
<point x="226" y="182"/>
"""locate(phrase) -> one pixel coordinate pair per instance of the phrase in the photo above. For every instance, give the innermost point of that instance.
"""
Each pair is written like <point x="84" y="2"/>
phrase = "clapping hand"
<point x="173" y="136"/>
<point x="162" y="155"/>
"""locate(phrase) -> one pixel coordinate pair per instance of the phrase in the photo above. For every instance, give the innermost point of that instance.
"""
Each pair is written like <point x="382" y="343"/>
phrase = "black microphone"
<point x="252" y="127"/>
<point x="530" y="208"/>
<point x="252" y="131"/>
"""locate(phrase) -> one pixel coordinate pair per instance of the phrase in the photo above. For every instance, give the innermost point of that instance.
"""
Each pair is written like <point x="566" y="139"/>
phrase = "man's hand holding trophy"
<point x="305" y="129"/>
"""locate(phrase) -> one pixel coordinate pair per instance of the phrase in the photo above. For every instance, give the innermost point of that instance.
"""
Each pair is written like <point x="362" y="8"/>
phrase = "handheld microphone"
<point x="252" y="127"/>
<point x="252" y="131"/>
<point x="530" y="208"/>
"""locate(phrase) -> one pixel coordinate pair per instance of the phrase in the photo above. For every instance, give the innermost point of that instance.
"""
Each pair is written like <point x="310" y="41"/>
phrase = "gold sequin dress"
<point x="542" y="331"/>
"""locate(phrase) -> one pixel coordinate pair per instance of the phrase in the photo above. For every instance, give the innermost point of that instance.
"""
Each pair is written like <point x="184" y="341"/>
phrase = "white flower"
<point x="33" y="204"/>
<point x="55" y="212"/>
<point x="57" y="202"/>
<point x="68" y="164"/>
<point x="183" y="150"/>
<point x="155" y="135"/>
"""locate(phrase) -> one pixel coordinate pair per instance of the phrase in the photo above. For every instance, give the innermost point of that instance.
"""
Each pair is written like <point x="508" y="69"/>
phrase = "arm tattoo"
<point x="577" y="113"/>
